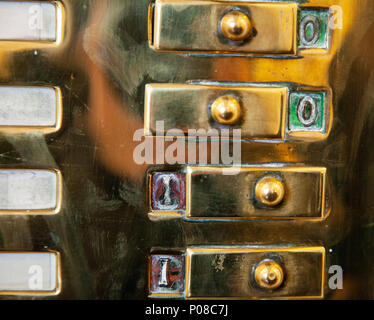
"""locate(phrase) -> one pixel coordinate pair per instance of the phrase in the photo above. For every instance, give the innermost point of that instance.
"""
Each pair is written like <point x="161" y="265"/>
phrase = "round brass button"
<point x="236" y="26"/>
<point x="269" y="191"/>
<point x="269" y="275"/>
<point x="226" y="110"/>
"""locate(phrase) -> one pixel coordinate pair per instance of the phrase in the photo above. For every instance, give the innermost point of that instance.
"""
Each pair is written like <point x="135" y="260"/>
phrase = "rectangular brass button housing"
<point x="193" y="26"/>
<point x="30" y="192"/>
<point x="37" y="21"/>
<point x="211" y="194"/>
<point x="221" y="272"/>
<point x="30" y="273"/>
<point x="185" y="106"/>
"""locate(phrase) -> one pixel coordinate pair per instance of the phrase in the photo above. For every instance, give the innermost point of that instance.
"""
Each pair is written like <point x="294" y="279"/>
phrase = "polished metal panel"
<point x="30" y="108"/>
<point x="30" y="191"/>
<point x="102" y="65"/>
<point x="213" y="195"/>
<point x="188" y="26"/>
<point x="29" y="273"/>
<point x="223" y="272"/>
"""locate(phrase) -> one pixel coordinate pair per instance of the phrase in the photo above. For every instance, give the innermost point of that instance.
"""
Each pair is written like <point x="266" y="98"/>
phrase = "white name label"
<point x="28" y="20"/>
<point x="29" y="273"/>
<point x="31" y="191"/>
<point x="30" y="108"/>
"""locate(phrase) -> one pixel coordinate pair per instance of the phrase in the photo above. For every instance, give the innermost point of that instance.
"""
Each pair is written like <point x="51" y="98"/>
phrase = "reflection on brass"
<point x="175" y="25"/>
<point x="269" y="191"/>
<point x="214" y="195"/>
<point x="225" y="272"/>
<point x="236" y="26"/>
<point x="269" y="275"/>
<point x="226" y="110"/>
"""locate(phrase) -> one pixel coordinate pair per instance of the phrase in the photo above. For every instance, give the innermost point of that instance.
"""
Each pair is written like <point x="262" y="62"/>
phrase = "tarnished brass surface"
<point x="102" y="63"/>
<point x="232" y="273"/>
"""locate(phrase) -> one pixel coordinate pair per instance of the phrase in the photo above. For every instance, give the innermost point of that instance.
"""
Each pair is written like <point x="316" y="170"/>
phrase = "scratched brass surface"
<point x="103" y="232"/>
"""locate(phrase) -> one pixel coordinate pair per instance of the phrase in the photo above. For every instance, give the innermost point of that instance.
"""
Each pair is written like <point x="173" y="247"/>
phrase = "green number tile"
<point x="304" y="115"/>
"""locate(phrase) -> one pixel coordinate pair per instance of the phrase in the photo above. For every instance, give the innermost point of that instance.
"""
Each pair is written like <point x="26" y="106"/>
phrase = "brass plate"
<point x="213" y="195"/>
<point x="224" y="272"/>
<point x="186" y="106"/>
<point x="30" y="273"/>
<point x="192" y="26"/>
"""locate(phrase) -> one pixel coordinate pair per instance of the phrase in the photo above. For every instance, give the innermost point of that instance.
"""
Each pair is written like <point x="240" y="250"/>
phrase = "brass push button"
<point x="236" y="26"/>
<point x="269" y="191"/>
<point x="269" y="275"/>
<point x="226" y="110"/>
